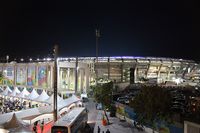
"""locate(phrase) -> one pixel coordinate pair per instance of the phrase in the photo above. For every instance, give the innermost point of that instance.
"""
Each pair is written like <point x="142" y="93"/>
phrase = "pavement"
<point x="116" y="126"/>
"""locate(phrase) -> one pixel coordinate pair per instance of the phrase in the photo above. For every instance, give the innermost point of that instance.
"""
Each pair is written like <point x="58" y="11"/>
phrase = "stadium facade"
<point x="84" y="71"/>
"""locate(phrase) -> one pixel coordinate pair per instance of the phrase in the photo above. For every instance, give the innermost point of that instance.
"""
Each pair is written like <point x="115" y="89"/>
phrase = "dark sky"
<point x="133" y="28"/>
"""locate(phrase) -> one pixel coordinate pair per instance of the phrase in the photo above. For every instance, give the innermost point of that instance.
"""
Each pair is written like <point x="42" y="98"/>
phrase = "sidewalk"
<point x="116" y="127"/>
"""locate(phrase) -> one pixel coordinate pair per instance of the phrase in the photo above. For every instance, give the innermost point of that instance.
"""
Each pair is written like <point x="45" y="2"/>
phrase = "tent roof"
<point x="50" y="99"/>
<point x="6" y="91"/>
<point x="24" y="93"/>
<point x="69" y="101"/>
<point x="14" y="123"/>
<point x="14" y="92"/>
<point x="33" y="95"/>
<point x="21" y="130"/>
<point x="1" y="90"/>
<point x="43" y="96"/>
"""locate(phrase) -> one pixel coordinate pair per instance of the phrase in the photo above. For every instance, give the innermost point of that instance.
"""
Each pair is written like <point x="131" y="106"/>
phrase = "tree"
<point x="152" y="105"/>
<point x="103" y="94"/>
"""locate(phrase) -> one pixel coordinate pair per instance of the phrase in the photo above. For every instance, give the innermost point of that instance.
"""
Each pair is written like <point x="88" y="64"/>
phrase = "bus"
<point x="71" y="122"/>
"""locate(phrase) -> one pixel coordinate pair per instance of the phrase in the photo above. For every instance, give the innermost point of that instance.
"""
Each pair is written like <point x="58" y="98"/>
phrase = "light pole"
<point x="55" y="83"/>
<point x="7" y="58"/>
<point x="97" y="42"/>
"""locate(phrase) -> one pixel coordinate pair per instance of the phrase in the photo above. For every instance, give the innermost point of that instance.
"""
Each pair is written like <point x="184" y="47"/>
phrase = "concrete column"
<point x="76" y="75"/>
<point x="82" y="78"/>
<point x="68" y="81"/>
<point x="168" y="74"/>
<point x="122" y="73"/>
<point x="158" y="74"/>
<point x="52" y="79"/>
<point x="58" y="79"/>
<point x="135" y="74"/>
<point x="148" y="68"/>
<point x="87" y="72"/>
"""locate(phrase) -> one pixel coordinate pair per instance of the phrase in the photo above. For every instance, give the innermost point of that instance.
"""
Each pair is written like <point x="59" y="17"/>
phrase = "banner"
<point x="8" y="75"/>
<point x="31" y="76"/>
<point x="21" y="75"/>
<point x="42" y="76"/>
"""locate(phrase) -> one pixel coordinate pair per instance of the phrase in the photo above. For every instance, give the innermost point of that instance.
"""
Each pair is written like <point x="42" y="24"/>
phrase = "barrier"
<point x="127" y="113"/>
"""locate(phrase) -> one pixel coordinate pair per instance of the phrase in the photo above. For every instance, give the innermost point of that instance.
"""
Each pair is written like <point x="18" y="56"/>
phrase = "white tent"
<point x="33" y="95"/>
<point x="14" y="123"/>
<point x="1" y="90"/>
<point x="50" y="99"/>
<point x="14" y="92"/>
<point x="68" y="101"/>
<point x="23" y="94"/>
<point x="43" y="96"/>
<point x="6" y="91"/>
<point x="73" y="98"/>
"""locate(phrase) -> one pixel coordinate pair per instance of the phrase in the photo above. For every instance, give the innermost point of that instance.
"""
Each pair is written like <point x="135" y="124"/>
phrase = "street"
<point x="92" y="112"/>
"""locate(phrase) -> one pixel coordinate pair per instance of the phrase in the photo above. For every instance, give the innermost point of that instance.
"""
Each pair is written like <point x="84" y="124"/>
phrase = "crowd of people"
<point x="9" y="105"/>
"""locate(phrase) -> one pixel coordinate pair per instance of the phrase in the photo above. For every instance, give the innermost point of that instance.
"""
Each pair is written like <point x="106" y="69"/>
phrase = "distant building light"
<point x="38" y="59"/>
<point x="30" y="59"/>
<point x="48" y="59"/>
<point x="21" y="59"/>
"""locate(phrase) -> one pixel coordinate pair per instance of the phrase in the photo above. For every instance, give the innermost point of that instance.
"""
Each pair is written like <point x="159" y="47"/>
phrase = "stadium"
<point x="78" y="73"/>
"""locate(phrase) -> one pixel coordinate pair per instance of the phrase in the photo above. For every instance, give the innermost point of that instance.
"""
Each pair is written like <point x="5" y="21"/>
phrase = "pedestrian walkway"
<point x="116" y="125"/>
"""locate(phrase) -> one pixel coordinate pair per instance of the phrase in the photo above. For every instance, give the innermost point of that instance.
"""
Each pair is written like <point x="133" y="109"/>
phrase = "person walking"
<point x="108" y="131"/>
<point x="98" y="130"/>
<point x="35" y="128"/>
<point x="42" y="126"/>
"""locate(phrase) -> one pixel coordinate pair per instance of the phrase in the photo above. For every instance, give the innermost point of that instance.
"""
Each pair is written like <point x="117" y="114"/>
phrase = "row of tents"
<point x="33" y="96"/>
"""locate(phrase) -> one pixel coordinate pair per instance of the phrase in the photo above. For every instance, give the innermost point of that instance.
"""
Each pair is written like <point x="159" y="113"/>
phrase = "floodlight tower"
<point x="97" y="43"/>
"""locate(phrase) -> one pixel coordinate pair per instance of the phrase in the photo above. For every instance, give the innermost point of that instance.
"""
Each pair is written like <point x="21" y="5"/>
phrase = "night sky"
<point x="132" y="28"/>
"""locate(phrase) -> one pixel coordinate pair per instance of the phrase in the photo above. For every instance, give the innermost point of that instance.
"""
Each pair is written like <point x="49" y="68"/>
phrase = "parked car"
<point x="99" y="106"/>
<point x="123" y="100"/>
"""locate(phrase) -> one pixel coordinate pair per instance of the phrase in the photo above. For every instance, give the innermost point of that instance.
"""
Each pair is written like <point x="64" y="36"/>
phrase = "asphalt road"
<point x="92" y="114"/>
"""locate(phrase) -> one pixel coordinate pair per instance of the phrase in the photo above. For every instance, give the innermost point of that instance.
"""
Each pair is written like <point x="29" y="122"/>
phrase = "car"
<point x="99" y="106"/>
<point x="123" y="100"/>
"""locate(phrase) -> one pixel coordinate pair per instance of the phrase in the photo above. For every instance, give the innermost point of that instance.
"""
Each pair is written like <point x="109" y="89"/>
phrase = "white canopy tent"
<point x="1" y="90"/>
<point x="42" y="97"/>
<point x="33" y="95"/>
<point x="23" y="94"/>
<point x="50" y="99"/>
<point x="6" y="91"/>
<point x="73" y="98"/>
<point x="14" y="122"/>
<point x="68" y="101"/>
<point x="14" y="92"/>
